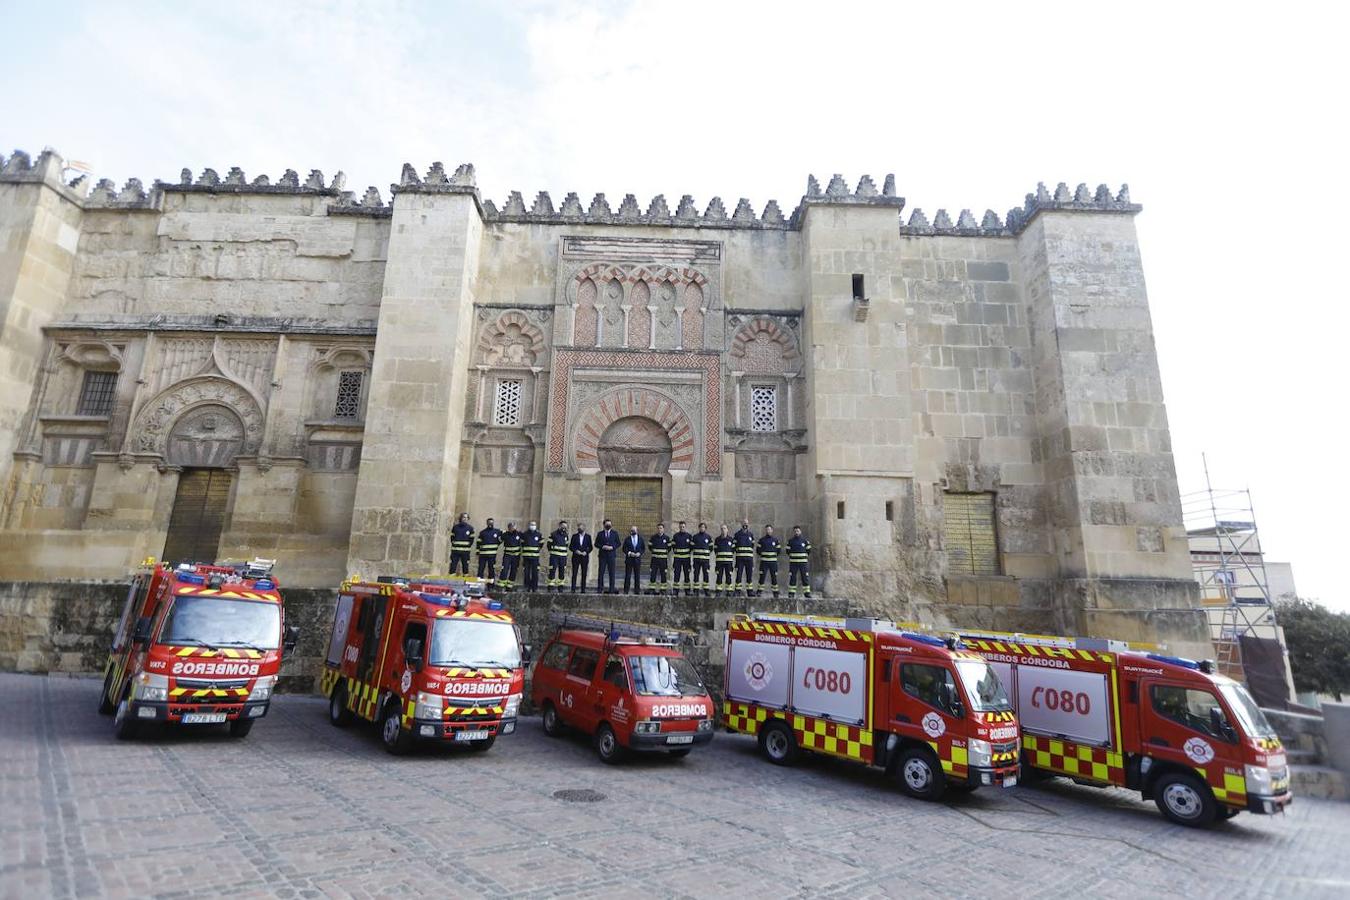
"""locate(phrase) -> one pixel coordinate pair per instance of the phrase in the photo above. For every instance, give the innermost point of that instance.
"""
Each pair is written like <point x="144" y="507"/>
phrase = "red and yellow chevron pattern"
<point x="223" y="652"/>
<point x="786" y="628"/>
<point x="1034" y="650"/>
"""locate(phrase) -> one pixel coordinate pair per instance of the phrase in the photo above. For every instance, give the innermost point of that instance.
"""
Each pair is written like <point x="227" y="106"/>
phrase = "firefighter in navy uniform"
<point x="658" y="582"/>
<point x="530" y="544"/>
<point x="768" y="560"/>
<point x="557" y="557"/>
<point x="581" y="548"/>
<point x="681" y="549"/>
<point x="461" y="544"/>
<point x="702" y="556"/>
<point x="510" y="557"/>
<point x="724" y="558"/>
<point x="745" y="558"/>
<point x="489" y="540"/>
<point x="799" y="562"/>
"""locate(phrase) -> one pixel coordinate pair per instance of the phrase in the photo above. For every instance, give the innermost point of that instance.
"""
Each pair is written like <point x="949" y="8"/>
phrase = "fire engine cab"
<point x="1104" y="713"/>
<point x="425" y="659"/>
<point x="624" y="683"/>
<point x="196" y="645"/>
<point x="920" y="706"/>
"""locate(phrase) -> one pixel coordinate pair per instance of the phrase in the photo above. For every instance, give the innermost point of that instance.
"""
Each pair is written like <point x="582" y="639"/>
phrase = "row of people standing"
<point x="693" y="562"/>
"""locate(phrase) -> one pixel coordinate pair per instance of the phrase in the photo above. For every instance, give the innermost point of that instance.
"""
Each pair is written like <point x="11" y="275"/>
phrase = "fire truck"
<point x="197" y="644"/>
<point x="1105" y="713"/>
<point x="927" y="711"/>
<point x="624" y="683"/>
<point x="425" y="659"/>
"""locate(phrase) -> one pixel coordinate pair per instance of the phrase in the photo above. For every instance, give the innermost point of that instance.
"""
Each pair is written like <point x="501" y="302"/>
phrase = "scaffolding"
<point x="1228" y="561"/>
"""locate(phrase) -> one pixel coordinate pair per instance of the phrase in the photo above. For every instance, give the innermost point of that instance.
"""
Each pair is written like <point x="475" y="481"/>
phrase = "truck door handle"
<point x="1159" y="741"/>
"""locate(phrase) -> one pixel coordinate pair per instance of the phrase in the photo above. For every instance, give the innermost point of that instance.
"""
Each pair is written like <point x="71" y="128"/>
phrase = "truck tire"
<point x="240" y="728"/>
<point x="105" y="705"/>
<point x="339" y="716"/>
<point x="553" y="724"/>
<point x="124" y="725"/>
<point x="779" y="744"/>
<point x="920" y="774"/>
<point x="1185" y="799"/>
<point x="394" y="736"/>
<point x="483" y="746"/>
<point x="607" y="745"/>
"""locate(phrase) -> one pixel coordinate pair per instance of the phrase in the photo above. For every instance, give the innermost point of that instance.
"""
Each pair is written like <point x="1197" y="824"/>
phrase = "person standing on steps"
<point x="658" y="581"/>
<point x="681" y="549"/>
<point x="768" y="560"/>
<point x="724" y="555"/>
<point x="461" y="543"/>
<point x="702" y="556"/>
<point x="607" y="542"/>
<point x="633" y="547"/>
<point x="581" y="548"/>
<point x="745" y="558"/>
<point x="489" y="539"/>
<point x="557" y="557"/>
<point x="799" y="563"/>
<point x="510" y="557"/>
<point x="531" y="542"/>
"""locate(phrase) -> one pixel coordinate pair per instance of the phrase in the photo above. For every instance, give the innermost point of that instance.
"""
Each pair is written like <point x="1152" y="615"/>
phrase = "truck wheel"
<point x="124" y="725"/>
<point x="105" y="705"/>
<point x="396" y="738"/>
<point x="338" y="714"/>
<point x="553" y="726"/>
<point x="240" y="728"/>
<point x="1185" y="800"/>
<point x="680" y="753"/>
<point x="483" y="746"/>
<point x="920" y="774"/>
<point x="607" y="744"/>
<point x="779" y="744"/>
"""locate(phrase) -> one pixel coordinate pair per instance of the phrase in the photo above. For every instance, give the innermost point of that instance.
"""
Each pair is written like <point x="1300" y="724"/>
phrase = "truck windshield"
<point x="1249" y="715"/>
<point x="664" y="676"/>
<point x="216" y="622"/>
<point x="982" y="686"/>
<point x="463" y="642"/>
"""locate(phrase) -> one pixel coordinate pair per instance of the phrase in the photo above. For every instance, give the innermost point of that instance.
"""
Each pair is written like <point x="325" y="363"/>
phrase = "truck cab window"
<point x="418" y="632"/>
<point x="1187" y="707"/>
<point x="616" y="673"/>
<point x="556" y="657"/>
<point x="926" y="684"/>
<point x="583" y="664"/>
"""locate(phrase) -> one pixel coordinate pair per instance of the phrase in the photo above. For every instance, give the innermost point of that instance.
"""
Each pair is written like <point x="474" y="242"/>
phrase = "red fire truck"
<point x="197" y="645"/>
<point x="915" y="704"/>
<point x="1173" y="729"/>
<point x="624" y="683"/>
<point x="428" y="660"/>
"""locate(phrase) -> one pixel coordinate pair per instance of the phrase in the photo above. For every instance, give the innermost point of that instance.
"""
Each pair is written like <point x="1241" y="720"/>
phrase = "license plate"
<point x="203" y="718"/>
<point x="680" y="739"/>
<point x="1010" y="781"/>
<point x="472" y="735"/>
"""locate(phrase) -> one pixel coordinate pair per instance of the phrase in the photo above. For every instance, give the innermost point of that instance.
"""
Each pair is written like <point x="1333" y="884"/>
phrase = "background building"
<point x="966" y="416"/>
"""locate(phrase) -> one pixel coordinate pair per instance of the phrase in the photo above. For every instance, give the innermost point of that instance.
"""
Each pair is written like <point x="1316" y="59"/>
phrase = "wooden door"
<point x="198" y="516"/>
<point x="633" y="501"/>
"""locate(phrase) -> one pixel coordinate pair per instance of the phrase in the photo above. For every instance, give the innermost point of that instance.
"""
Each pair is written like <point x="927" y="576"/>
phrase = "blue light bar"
<point x="262" y="584"/>
<point x="190" y="578"/>
<point x="924" y="638"/>
<point x="1175" y="660"/>
<point x="495" y="604"/>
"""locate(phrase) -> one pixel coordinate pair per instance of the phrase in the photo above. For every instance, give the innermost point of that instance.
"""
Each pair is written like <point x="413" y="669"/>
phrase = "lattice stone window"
<point x="96" y="394"/>
<point x="763" y="407"/>
<point x="969" y="534"/>
<point x="506" y="409"/>
<point x="348" y="404"/>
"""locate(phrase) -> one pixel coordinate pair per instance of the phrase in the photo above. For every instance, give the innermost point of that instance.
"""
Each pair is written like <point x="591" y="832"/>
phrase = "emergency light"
<point x="1176" y="661"/>
<point x="263" y="584"/>
<point x="190" y="578"/>
<point x="495" y="604"/>
<point x="924" y="638"/>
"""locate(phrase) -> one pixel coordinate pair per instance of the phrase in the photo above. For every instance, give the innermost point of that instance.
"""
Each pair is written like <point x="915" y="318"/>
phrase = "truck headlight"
<point x="647" y="727"/>
<point x="979" y="753"/>
<point x="428" y="706"/>
<point x="262" y="688"/>
<point x="512" y="706"/>
<point x="1261" y="780"/>
<point x="151" y="687"/>
<point x="705" y="724"/>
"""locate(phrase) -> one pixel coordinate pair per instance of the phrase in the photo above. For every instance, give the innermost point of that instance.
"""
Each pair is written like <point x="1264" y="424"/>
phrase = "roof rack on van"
<point x="616" y="628"/>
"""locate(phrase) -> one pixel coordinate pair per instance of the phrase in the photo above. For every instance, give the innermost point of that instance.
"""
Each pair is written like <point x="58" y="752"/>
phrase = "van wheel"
<point x="553" y="726"/>
<point x="338" y="714"/>
<point x="779" y="744"/>
<point x="680" y="753"/>
<point x="124" y="725"/>
<point x="240" y="728"/>
<point x="105" y="706"/>
<point x="396" y="738"/>
<point x="607" y="744"/>
<point x="920" y="774"/>
<point x="1185" y="800"/>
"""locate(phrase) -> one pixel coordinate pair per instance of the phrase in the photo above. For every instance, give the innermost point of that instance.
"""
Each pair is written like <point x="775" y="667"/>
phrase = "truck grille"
<point x="193" y="691"/>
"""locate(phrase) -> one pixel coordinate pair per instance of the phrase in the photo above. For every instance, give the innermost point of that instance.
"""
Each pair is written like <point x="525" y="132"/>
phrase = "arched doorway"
<point x="634" y="454"/>
<point x="204" y="442"/>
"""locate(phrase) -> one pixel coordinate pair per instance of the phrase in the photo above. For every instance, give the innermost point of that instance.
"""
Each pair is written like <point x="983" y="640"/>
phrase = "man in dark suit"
<point x="633" y="547"/>
<point x="581" y="548"/>
<point x="607" y="542"/>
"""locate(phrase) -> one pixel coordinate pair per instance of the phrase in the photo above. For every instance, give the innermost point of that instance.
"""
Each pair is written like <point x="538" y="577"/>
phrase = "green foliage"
<point x="1319" y="645"/>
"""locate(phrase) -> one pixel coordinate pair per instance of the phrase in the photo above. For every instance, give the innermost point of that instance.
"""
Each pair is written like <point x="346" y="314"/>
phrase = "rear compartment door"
<point x="1062" y="703"/>
<point x="759" y="672"/>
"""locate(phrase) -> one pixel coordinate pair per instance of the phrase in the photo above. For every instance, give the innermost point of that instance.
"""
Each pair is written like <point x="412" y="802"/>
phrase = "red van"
<point x="623" y="683"/>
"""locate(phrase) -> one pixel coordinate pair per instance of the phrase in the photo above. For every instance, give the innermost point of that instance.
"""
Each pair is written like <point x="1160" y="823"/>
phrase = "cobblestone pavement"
<point x="302" y="809"/>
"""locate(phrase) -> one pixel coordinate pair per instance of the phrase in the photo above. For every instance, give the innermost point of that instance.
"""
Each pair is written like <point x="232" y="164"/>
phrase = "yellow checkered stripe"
<point x="477" y="673"/>
<point x="226" y="592"/>
<point x="328" y="680"/>
<point x="1234" y="789"/>
<point x="1033" y="650"/>
<point x="207" y="692"/>
<point x="224" y="652"/>
<point x="361" y="697"/>
<point x="839" y="634"/>
<point x="461" y="614"/>
<point x="820" y="735"/>
<point x="1078" y="760"/>
<point x="955" y="760"/>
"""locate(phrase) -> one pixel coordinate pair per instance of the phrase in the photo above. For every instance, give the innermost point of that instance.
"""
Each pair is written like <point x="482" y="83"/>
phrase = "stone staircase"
<point x="1306" y="747"/>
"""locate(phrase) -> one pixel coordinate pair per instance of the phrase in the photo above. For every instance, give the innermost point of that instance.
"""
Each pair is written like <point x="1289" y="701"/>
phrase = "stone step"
<point x="1303" y="757"/>
<point x="1318" y="782"/>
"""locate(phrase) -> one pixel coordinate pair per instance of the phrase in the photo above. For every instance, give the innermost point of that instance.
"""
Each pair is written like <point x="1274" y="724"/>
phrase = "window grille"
<point x="506" y="411"/>
<point x="96" y="394"/>
<point x="763" y="408"/>
<point x="348" y="405"/>
<point x="969" y="534"/>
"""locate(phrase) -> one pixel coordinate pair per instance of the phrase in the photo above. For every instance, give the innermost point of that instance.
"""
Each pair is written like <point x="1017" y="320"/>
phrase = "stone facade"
<point x="361" y="372"/>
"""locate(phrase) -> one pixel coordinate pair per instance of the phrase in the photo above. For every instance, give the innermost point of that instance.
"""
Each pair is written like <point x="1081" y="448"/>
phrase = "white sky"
<point x="1227" y="121"/>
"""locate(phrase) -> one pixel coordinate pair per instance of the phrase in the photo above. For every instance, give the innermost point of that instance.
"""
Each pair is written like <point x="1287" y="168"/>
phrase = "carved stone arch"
<point x="342" y="356"/>
<point x="511" y="340"/>
<point x="162" y="415"/>
<point x="69" y="363"/>
<point x="92" y="355"/>
<point x="600" y="273"/>
<point x="325" y="381"/>
<point x="593" y="420"/>
<point x="764" y="347"/>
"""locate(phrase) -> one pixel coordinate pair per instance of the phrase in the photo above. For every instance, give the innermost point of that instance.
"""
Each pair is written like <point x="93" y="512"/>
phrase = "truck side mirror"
<point x="1218" y="724"/>
<point x="140" y="635"/>
<point x="412" y="653"/>
<point x="949" y="701"/>
<point x="526" y="655"/>
<point x="292" y="638"/>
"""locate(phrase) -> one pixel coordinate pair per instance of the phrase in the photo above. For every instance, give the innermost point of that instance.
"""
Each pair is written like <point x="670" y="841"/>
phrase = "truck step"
<point x="1318" y="782"/>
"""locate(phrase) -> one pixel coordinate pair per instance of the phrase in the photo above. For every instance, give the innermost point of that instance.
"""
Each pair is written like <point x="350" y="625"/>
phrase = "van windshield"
<point x="1249" y="715"/>
<point x="214" y="622"/>
<point x="464" y="642"/>
<point x="982" y="686"/>
<point x="664" y="676"/>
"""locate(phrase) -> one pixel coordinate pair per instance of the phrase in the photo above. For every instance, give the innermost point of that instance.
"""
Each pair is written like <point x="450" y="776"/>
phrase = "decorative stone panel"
<point x="594" y="427"/>
<point x="158" y="418"/>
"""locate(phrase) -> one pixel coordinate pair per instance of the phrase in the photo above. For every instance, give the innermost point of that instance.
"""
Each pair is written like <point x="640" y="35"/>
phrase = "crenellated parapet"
<point x="1082" y="199"/>
<point x="630" y="212"/>
<point x="236" y="182"/>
